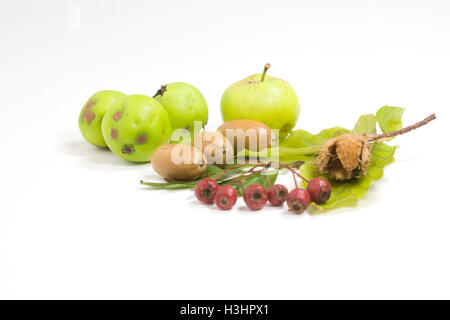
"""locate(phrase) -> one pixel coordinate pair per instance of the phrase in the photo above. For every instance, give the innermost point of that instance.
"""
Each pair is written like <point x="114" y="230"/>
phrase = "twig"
<point x="376" y="137"/>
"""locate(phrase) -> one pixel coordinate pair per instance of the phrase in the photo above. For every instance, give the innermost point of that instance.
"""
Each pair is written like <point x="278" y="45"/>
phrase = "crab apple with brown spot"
<point x="92" y="115"/>
<point x="143" y="125"/>
<point x="255" y="196"/>
<point x="87" y="114"/>
<point x="226" y="197"/>
<point x="141" y="139"/>
<point x="117" y="115"/>
<point x="319" y="189"/>
<point x="298" y="200"/>
<point x="206" y="190"/>
<point x="114" y="134"/>
<point x="277" y="194"/>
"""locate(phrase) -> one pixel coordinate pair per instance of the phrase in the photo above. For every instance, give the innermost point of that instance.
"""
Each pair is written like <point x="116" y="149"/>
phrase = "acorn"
<point x="178" y="162"/>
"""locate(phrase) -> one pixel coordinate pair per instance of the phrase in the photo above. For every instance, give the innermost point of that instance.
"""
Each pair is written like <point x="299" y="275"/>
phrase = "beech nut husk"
<point x="345" y="157"/>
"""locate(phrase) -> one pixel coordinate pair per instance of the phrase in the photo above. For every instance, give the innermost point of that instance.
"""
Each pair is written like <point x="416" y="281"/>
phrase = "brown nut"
<point x="216" y="148"/>
<point x="178" y="162"/>
<point x="248" y="134"/>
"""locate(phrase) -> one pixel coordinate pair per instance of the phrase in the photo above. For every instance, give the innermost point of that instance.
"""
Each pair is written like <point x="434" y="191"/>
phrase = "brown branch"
<point x="376" y="137"/>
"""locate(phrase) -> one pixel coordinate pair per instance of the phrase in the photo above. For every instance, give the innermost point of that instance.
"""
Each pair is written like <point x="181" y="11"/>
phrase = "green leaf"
<point x="168" y="185"/>
<point x="299" y="146"/>
<point x="366" y="124"/>
<point x="302" y="145"/>
<point x="287" y="155"/>
<point x="303" y="139"/>
<point x="390" y="118"/>
<point x="281" y="154"/>
<point x="211" y="171"/>
<point x="347" y="193"/>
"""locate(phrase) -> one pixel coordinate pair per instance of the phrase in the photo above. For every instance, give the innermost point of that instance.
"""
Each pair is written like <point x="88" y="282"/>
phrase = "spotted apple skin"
<point x="272" y="102"/>
<point x="92" y="113"/>
<point x="134" y="127"/>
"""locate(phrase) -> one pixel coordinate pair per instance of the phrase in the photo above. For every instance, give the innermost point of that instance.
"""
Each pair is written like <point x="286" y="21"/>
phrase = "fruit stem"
<point x="245" y="172"/>
<point x="294" y="172"/>
<point x="295" y="179"/>
<point x="160" y="91"/>
<point x="227" y="170"/>
<point x="266" y="67"/>
<point x="267" y="178"/>
<point x="376" y="137"/>
<point x="245" y="177"/>
<point x="300" y="176"/>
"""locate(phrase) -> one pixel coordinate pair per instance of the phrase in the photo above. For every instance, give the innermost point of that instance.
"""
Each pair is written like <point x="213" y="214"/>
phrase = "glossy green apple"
<point x="91" y="116"/>
<point x="184" y="104"/>
<point x="262" y="98"/>
<point x="135" y="126"/>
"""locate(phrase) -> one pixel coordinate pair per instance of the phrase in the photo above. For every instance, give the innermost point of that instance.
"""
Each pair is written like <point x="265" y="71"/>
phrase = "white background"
<point x="75" y="223"/>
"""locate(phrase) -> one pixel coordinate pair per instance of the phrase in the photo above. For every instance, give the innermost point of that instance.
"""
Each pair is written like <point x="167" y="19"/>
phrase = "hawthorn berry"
<point x="206" y="189"/>
<point x="319" y="189"/>
<point x="298" y="200"/>
<point x="255" y="196"/>
<point x="277" y="194"/>
<point x="225" y="197"/>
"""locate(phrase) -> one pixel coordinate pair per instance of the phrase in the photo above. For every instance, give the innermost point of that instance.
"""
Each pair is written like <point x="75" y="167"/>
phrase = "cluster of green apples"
<point x="133" y="126"/>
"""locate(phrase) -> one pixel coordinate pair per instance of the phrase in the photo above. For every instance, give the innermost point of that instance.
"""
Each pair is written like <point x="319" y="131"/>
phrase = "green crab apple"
<point x="91" y="116"/>
<point x="262" y="98"/>
<point x="135" y="126"/>
<point x="184" y="104"/>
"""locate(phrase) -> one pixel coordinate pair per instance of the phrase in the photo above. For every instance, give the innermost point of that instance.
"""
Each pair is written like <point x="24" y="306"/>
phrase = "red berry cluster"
<point x="256" y="195"/>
